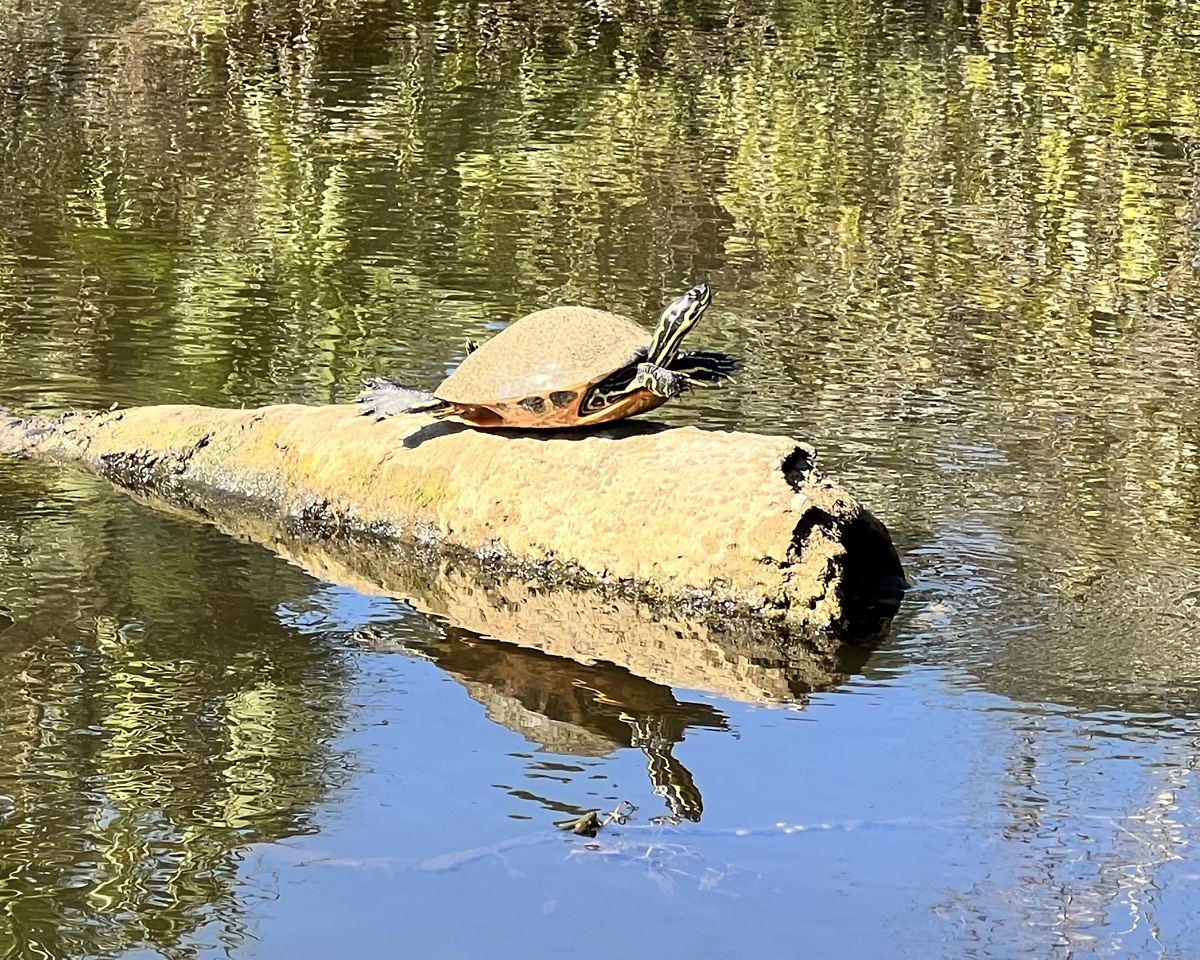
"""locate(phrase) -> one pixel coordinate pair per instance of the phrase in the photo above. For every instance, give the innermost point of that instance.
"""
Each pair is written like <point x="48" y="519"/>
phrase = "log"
<point x="720" y="523"/>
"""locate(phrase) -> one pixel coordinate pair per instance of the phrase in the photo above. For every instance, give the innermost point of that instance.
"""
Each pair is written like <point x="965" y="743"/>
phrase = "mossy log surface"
<point x="721" y="522"/>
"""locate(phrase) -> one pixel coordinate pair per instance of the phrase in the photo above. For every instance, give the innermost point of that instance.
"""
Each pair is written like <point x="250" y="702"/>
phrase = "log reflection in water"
<point x="575" y="672"/>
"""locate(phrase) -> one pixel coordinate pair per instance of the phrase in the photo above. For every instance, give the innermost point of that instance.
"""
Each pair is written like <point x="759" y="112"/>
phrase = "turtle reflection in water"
<point x="567" y="367"/>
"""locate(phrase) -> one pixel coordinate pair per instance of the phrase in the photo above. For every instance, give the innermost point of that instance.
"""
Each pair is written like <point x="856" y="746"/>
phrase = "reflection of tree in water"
<point x="1085" y="848"/>
<point x="154" y="718"/>
<point x="1122" y="639"/>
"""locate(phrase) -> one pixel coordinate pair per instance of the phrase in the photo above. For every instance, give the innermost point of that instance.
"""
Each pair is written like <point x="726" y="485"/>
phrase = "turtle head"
<point x="676" y="323"/>
<point x="700" y="295"/>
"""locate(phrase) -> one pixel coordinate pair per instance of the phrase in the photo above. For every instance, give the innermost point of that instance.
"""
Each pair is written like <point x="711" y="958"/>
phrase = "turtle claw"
<point x="660" y="381"/>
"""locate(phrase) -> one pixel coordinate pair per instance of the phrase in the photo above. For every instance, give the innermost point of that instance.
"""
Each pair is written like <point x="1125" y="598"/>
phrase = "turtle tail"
<point x="387" y="398"/>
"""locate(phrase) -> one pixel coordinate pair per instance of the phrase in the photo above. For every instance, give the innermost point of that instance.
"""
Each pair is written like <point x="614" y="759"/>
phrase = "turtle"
<point x="566" y="366"/>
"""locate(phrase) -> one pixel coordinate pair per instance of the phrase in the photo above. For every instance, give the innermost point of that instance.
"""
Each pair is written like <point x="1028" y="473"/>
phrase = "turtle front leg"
<point x="659" y="381"/>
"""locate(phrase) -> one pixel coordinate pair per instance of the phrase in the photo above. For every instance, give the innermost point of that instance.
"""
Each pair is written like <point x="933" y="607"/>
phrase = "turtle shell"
<point x="563" y="348"/>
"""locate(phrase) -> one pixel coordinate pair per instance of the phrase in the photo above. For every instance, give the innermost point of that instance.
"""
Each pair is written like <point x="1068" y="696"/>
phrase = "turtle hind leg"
<point x="704" y="367"/>
<point x="382" y="397"/>
<point x="660" y="381"/>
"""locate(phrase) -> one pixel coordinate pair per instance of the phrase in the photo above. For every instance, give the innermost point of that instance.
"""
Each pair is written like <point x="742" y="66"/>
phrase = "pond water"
<point x="957" y="247"/>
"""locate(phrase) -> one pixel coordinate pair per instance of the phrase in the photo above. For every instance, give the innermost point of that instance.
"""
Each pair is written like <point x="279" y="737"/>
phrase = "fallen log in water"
<point x="722" y="522"/>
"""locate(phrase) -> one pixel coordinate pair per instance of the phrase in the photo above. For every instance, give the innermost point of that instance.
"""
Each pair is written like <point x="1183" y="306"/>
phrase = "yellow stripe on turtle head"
<point x="677" y="322"/>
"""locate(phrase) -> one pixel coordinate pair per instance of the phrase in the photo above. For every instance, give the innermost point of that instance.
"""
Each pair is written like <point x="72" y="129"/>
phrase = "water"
<point x="956" y="246"/>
